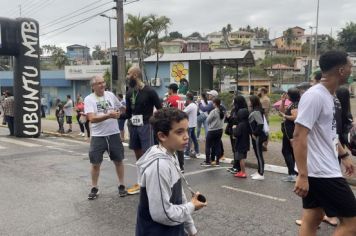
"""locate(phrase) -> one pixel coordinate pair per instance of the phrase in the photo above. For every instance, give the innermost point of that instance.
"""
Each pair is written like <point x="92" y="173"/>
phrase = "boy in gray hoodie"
<point x="163" y="208"/>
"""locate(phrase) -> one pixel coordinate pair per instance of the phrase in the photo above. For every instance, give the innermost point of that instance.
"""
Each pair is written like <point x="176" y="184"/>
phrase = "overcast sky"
<point x="187" y="16"/>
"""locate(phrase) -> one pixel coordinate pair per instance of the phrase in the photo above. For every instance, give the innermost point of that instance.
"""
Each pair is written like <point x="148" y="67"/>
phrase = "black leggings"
<point x="81" y="125"/>
<point x="213" y="145"/>
<point x="287" y="151"/>
<point x="257" y="147"/>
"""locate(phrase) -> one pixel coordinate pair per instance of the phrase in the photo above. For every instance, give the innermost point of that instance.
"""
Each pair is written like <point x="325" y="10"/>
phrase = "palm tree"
<point x="156" y="26"/>
<point x="137" y="29"/>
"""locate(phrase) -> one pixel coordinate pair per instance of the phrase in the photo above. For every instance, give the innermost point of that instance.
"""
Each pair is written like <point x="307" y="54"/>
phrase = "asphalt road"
<point x="44" y="186"/>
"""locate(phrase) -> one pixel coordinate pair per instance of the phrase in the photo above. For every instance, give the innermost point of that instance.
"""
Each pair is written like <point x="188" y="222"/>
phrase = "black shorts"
<point x="112" y="144"/>
<point x="68" y="119"/>
<point x="334" y="195"/>
<point x="141" y="137"/>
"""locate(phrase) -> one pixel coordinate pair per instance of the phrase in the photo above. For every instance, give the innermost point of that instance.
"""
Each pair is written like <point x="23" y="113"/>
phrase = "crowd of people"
<point x="316" y="131"/>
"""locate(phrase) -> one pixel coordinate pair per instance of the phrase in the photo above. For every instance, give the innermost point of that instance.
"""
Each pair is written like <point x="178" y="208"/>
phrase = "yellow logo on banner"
<point x="179" y="71"/>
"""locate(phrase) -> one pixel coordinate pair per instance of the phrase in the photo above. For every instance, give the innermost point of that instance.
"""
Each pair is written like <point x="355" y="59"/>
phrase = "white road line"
<point x="18" y="142"/>
<point x="41" y="140"/>
<point x="254" y="193"/>
<point x="72" y="141"/>
<point x="202" y="171"/>
<point x="276" y="169"/>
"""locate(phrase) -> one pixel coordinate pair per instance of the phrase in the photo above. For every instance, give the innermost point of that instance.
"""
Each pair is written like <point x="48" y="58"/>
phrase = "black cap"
<point x="173" y="86"/>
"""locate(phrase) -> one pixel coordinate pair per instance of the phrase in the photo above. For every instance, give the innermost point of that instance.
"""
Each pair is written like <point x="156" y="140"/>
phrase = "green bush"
<point x="227" y="99"/>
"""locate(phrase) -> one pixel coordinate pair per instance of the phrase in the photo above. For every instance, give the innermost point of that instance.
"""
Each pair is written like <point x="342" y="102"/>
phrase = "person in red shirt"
<point x="173" y="97"/>
<point x="174" y="100"/>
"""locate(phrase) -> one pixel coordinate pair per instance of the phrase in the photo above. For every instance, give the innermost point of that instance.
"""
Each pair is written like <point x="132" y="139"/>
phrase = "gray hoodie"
<point x="214" y="121"/>
<point x="163" y="207"/>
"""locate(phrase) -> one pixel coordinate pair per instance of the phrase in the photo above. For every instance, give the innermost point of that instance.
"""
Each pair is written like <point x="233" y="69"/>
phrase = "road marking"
<point x="205" y="170"/>
<point x="276" y="169"/>
<point x="18" y="142"/>
<point x="254" y="193"/>
<point x="1" y="147"/>
<point x="72" y="141"/>
<point x="46" y="141"/>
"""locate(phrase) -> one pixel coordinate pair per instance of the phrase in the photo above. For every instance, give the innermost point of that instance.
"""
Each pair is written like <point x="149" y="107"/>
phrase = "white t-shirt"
<point x="192" y="112"/>
<point x="316" y="111"/>
<point x="100" y="106"/>
<point x="68" y="108"/>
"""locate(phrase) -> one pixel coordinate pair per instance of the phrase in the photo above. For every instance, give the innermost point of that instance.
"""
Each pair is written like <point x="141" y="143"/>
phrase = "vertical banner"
<point x="27" y="80"/>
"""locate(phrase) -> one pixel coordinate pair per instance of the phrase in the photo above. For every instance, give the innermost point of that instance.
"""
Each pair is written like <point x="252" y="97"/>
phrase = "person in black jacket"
<point x="238" y="103"/>
<point x="242" y="143"/>
<point x="258" y="135"/>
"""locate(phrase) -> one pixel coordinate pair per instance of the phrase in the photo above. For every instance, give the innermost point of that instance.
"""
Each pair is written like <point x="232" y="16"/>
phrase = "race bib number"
<point x="137" y="120"/>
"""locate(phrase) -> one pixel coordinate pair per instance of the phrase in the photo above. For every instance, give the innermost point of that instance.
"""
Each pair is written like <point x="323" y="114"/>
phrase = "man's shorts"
<point x="68" y="119"/>
<point x="240" y="155"/>
<point x="334" y="195"/>
<point x="112" y="144"/>
<point x="141" y="137"/>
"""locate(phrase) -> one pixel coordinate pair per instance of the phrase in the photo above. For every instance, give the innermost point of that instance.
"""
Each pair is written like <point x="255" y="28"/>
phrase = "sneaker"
<point x="241" y="174"/>
<point x="83" y="135"/>
<point x="69" y="130"/>
<point x="94" y="193"/>
<point x="215" y="164"/>
<point x="232" y="170"/>
<point x="254" y="174"/>
<point x="289" y="178"/>
<point x="205" y="164"/>
<point x="193" y="155"/>
<point x="122" y="191"/>
<point x="80" y="134"/>
<point x="222" y="158"/>
<point x="258" y="177"/>
<point x="135" y="189"/>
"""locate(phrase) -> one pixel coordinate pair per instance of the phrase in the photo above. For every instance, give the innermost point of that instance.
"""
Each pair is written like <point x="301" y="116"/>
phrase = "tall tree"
<point x="157" y="25"/>
<point x="137" y="29"/>
<point x="289" y="37"/>
<point x="98" y="54"/>
<point x="57" y="54"/>
<point x="347" y="37"/>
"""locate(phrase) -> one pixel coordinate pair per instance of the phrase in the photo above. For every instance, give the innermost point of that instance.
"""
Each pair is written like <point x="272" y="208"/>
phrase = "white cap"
<point x="213" y="93"/>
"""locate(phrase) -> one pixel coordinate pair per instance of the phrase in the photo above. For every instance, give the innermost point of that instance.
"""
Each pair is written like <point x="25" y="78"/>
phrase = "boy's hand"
<point x="197" y="204"/>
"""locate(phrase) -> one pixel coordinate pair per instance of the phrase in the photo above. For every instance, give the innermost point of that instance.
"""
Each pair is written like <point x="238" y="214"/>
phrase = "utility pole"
<point x="316" y="32"/>
<point x="120" y="82"/>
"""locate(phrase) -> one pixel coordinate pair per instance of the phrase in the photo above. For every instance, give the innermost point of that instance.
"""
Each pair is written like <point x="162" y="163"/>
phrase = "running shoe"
<point x="215" y="164"/>
<point x="232" y="170"/>
<point x="258" y="177"/>
<point x="135" y="189"/>
<point x="205" y="164"/>
<point x="122" y="191"/>
<point x="94" y="193"/>
<point x="240" y="175"/>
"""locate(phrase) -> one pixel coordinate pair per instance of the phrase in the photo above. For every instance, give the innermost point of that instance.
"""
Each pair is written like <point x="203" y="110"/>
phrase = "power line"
<point x="76" y="22"/>
<point x="71" y="17"/>
<point x="47" y="3"/>
<point x="33" y="6"/>
<point x="74" y="12"/>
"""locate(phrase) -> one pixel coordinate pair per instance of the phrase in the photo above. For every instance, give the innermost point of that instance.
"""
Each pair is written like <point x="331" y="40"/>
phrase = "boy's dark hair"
<point x="332" y="59"/>
<point x="162" y="119"/>
<point x="294" y="94"/>
<point x="68" y="96"/>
